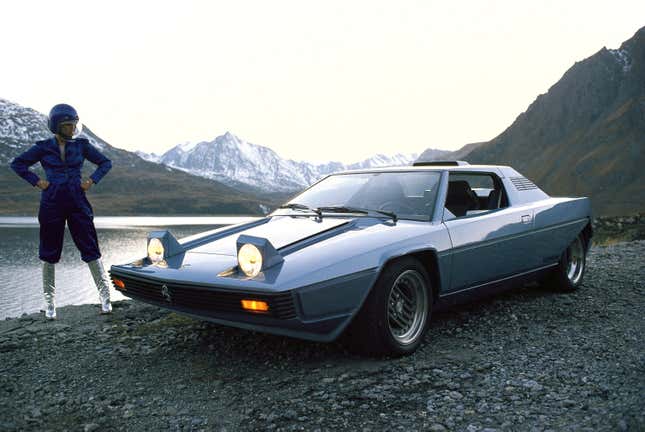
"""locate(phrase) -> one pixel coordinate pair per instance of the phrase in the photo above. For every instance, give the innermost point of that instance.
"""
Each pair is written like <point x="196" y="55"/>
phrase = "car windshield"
<point x="408" y="195"/>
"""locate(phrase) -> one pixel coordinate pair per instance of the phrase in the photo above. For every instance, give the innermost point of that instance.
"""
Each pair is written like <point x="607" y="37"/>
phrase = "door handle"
<point x="526" y="219"/>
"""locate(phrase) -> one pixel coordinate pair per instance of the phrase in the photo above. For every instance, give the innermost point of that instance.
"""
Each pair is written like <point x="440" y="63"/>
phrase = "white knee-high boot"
<point x="102" y="284"/>
<point x="49" y="289"/>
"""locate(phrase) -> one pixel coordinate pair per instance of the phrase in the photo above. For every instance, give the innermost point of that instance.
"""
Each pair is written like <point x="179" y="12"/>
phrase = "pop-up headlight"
<point x="161" y="245"/>
<point x="256" y="254"/>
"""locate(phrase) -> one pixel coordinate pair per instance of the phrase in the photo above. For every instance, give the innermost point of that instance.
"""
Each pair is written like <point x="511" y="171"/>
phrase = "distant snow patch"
<point x="622" y="57"/>
<point x="150" y="157"/>
<point x="187" y="146"/>
<point x="264" y="209"/>
<point x="96" y="143"/>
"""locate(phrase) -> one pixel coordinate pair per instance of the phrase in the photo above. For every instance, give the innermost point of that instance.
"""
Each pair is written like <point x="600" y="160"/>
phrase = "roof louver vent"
<point x="522" y="183"/>
<point x="440" y="163"/>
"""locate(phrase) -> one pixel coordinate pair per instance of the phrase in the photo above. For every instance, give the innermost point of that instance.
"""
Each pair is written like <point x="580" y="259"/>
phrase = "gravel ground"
<point x="529" y="360"/>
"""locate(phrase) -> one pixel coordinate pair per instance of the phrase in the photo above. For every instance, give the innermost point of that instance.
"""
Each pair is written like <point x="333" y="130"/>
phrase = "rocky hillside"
<point x="586" y="135"/>
<point x="444" y="155"/>
<point x="134" y="186"/>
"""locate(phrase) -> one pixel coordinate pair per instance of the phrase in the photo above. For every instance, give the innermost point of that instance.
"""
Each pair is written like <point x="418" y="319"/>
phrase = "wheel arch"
<point x="428" y="259"/>
<point x="587" y="234"/>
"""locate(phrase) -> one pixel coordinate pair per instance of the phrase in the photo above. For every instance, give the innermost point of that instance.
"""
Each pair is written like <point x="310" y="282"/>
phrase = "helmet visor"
<point x="76" y="131"/>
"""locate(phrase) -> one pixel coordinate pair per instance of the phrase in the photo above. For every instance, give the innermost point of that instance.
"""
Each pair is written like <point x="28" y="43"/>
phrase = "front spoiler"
<point x="290" y="311"/>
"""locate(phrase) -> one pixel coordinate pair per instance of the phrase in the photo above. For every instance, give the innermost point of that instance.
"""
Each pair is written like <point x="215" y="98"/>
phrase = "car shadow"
<point x="231" y="345"/>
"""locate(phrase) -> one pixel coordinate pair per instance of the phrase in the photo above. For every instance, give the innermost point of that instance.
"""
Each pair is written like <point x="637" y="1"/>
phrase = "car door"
<point x="491" y="243"/>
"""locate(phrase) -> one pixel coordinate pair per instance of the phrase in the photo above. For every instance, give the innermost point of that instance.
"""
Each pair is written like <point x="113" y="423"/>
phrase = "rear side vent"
<point x="522" y="183"/>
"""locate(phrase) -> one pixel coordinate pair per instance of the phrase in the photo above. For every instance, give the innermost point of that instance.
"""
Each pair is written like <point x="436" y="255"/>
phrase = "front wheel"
<point x="396" y="314"/>
<point x="567" y="276"/>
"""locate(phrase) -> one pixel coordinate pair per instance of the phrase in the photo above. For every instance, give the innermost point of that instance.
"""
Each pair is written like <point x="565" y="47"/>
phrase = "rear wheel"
<point x="395" y="315"/>
<point x="568" y="275"/>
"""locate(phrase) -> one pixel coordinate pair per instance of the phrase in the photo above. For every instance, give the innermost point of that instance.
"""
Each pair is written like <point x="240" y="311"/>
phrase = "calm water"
<point x="121" y="239"/>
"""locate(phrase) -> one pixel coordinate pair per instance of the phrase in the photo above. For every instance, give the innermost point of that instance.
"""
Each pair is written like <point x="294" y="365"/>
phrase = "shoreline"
<point x="118" y="222"/>
<point x="607" y="231"/>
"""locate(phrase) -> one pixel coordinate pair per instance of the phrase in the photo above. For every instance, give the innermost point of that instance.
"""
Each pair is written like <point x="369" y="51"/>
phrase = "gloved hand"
<point x="86" y="184"/>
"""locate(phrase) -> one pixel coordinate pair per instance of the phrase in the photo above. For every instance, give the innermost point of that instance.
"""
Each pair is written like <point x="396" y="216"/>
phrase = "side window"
<point x="473" y="193"/>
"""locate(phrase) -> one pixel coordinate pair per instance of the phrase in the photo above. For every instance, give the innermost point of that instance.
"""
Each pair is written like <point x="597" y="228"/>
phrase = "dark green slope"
<point x="586" y="135"/>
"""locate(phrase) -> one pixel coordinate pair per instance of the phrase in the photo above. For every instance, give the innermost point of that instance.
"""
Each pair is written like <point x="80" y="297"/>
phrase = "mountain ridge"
<point x="133" y="186"/>
<point x="584" y="136"/>
<point x="252" y="178"/>
<point x="236" y="162"/>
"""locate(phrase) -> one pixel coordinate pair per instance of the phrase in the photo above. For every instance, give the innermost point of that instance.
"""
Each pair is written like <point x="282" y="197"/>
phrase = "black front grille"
<point x="280" y="305"/>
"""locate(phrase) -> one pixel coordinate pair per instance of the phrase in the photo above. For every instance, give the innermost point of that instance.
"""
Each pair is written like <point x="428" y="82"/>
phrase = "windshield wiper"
<point x="342" y="209"/>
<point x="296" y="206"/>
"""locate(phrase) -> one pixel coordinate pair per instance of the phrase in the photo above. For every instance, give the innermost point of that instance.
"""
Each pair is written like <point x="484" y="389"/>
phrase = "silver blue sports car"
<point x="370" y="254"/>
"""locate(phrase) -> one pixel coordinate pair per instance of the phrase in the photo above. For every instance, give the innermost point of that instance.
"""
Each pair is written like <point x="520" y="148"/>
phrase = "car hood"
<point x="314" y="251"/>
<point x="281" y="231"/>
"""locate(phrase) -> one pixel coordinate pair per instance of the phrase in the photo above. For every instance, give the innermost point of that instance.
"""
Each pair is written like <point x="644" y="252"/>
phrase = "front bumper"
<point x="318" y="312"/>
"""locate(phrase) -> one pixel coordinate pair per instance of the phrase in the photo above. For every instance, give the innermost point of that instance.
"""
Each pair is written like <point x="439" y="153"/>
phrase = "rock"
<point x="8" y="426"/>
<point x="532" y="385"/>
<point x="290" y="414"/>
<point x="622" y="425"/>
<point x="11" y="345"/>
<point x="455" y="395"/>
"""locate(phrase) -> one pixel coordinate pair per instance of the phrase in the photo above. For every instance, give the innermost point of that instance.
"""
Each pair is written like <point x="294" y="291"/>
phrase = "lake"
<point x="121" y="239"/>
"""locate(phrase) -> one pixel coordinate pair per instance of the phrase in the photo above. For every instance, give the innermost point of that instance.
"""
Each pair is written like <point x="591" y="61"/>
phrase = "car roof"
<point x="440" y="168"/>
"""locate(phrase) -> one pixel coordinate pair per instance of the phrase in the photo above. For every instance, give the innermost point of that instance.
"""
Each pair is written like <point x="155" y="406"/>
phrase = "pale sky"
<point x="313" y="80"/>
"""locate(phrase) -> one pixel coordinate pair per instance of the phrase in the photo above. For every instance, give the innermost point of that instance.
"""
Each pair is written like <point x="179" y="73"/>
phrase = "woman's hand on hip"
<point x="42" y="184"/>
<point x="86" y="184"/>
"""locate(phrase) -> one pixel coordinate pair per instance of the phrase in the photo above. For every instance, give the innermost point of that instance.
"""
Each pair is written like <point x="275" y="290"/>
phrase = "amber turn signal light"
<point x="119" y="283"/>
<point x="255" y="305"/>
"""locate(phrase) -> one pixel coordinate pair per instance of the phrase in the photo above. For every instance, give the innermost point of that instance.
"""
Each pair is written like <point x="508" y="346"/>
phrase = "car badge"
<point x="165" y="292"/>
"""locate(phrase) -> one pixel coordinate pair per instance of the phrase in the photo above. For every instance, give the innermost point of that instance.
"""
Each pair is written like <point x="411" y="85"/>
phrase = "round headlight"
<point x="250" y="260"/>
<point x="155" y="250"/>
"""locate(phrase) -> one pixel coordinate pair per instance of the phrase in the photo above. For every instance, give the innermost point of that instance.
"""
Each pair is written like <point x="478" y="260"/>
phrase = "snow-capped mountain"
<point x="150" y="157"/>
<point x="20" y="127"/>
<point x="231" y="160"/>
<point x="236" y="162"/>
<point x="133" y="187"/>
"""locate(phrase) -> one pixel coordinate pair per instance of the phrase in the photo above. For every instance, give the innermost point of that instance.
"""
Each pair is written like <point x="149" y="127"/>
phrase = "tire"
<point x="396" y="313"/>
<point x="567" y="276"/>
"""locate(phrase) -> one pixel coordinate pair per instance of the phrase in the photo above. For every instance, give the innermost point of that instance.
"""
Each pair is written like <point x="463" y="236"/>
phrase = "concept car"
<point x="369" y="253"/>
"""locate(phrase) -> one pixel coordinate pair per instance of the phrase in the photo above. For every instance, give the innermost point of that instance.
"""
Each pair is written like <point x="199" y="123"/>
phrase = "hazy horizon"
<point x="312" y="81"/>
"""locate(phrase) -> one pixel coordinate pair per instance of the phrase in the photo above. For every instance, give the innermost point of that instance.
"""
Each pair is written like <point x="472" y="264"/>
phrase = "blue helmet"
<point x="59" y="114"/>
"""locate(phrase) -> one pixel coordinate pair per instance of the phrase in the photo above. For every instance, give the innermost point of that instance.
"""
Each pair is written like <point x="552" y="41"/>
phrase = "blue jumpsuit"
<point x="64" y="200"/>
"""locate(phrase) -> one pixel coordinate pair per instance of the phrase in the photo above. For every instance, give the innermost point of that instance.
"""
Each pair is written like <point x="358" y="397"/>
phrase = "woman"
<point x="63" y="200"/>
